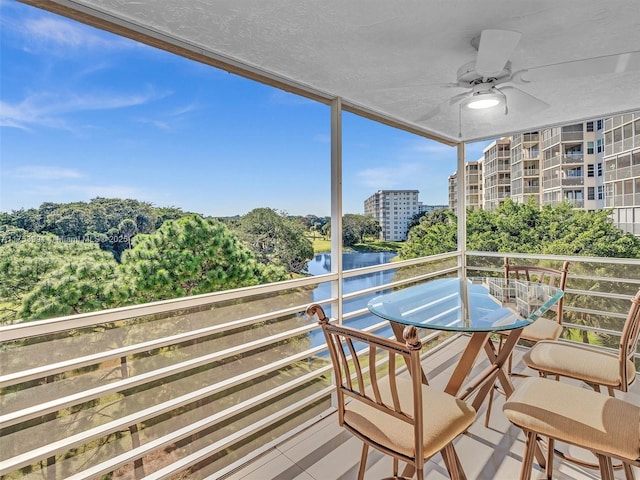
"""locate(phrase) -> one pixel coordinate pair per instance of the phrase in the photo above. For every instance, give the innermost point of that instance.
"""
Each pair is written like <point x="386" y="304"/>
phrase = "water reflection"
<point x="321" y="264"/>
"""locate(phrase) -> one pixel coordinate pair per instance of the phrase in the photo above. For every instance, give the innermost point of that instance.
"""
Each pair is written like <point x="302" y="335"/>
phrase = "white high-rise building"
<point x="393" y="209"/>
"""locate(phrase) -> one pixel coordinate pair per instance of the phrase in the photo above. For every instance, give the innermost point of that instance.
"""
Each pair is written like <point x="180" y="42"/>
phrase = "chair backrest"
<point x="545" y="275"/>
<point x="374" y="383"/>
<point x="629" y="341"/>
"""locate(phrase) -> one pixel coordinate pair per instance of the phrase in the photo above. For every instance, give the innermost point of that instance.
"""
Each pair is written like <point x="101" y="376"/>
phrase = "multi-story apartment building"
<point x="572" y="165"/>
<point x="473" y="177"/>
<point x="593" y="165"/>
<point x="393" y="209"/>
<point x="422" y="208"/>
<point x="525" y="167"/>
<point x="496" y="172"/>
<point x="622" y="170"/>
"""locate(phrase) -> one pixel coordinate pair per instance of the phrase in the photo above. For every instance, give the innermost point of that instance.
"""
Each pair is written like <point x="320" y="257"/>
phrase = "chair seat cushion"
<point x="590" y="364"/>
<point x="541" y="329"/>
<point x="444" y="418"/>
<point x="576" y="415"/>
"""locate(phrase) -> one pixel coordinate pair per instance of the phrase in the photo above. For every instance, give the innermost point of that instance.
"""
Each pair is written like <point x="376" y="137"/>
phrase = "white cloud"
<point x="390" y="177"/>
<point x="40" y="172"/>
<point x="51" y="33"/>
<point x="48" y="109"/>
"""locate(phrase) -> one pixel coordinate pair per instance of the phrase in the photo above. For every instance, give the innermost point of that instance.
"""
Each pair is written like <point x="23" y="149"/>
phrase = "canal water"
<point x="321" y="264"/>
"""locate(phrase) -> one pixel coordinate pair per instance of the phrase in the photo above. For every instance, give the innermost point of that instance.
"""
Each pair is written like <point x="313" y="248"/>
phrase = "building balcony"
<point x="572" y="181"/>
<point x="237" y="383"/>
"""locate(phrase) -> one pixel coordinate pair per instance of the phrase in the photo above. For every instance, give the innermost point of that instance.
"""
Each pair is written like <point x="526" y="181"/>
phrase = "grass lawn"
<point x="321" y="245"/>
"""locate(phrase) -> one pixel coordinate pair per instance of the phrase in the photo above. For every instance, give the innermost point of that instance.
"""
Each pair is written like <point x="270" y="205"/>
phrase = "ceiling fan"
<point x="485" y="78"/>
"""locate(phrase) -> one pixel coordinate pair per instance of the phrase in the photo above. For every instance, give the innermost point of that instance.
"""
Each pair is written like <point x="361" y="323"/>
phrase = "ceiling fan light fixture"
<point x="482" y="100"/>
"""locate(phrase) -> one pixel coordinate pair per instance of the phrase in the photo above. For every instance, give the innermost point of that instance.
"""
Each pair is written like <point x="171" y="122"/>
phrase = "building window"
<point x="600" y="192"/>
<point x="599" y="169"/>
<point x="591" y="193"/>
<point x="590" y="148"/>
<point x="600" y="145"/>
<point x="591" y="170"/>
<point x="600" y="124"/>
<point x="589" y="126"/>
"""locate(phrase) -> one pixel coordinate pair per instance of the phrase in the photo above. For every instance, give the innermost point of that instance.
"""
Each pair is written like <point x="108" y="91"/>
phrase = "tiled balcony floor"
<point x="327" y="452"/>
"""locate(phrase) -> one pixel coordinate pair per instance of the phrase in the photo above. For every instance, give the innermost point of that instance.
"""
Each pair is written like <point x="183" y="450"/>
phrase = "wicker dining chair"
<point x="394" y="413"/>
<point x="594" y="366"/>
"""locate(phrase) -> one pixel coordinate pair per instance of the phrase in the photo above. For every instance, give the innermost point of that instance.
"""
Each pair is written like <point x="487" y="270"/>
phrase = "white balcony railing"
<point x="193" y="387"/>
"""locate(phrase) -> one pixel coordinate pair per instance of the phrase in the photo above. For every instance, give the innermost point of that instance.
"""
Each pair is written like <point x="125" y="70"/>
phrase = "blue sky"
<point x="84" y="113"/>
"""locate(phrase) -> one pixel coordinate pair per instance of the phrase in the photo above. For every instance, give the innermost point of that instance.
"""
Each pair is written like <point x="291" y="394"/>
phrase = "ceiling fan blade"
<point x="442" y="107"/>
<point x="521" y="102"/>
<point x="494" y="50"/>
<point x="456" y="98"/>
<point x="617" y="63"/>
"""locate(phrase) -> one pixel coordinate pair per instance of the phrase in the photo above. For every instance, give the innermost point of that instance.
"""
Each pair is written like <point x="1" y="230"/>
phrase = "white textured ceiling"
<point x="390" y="58"/>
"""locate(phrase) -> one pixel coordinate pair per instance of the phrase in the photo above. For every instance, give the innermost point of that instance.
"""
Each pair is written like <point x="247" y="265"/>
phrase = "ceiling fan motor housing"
<point x="468" y="77"/>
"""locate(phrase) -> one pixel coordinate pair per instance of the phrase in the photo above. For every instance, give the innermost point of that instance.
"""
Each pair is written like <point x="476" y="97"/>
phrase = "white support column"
<point x="336" y="202"/>
<point x="462" y="209"/>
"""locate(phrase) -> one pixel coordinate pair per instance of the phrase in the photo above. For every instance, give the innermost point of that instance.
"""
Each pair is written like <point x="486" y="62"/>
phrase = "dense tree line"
<point x="524" y="228"/>
<point x="110" y="222"/>
<point x="45" y="276"/>
<point x="62" y="259"/>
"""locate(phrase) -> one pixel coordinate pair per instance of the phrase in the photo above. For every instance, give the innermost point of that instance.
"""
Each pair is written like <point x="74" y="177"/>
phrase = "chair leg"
<point x="487" y="415"/>
<point x="395" y="467"/>
<point x="606" y="468"/>
<point x="462" y="475"/>
<point x="450" y="462"/>
<point x="628" y="472"/>
<point x="363" y="461"/>
<point x="549" y="467"/>
<point x="529" y="451"/>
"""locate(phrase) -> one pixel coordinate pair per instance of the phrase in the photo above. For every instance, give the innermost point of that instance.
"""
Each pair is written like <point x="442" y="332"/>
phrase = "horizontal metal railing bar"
<point x="571" y="258"/>
<point x="594" y="278"/>
<point x="399" y="264"/>
<point x="400" y="283"/>
<point x="172" y="469"/>
<point x="209" y="450"/>
<point x="153" y="411"/>
<point x="143" y="378"/>
<point x="418" y="278"/>
<point x="592" y="293"/>
<point x="605" y="331"/>
<point x="58" y="367"/>
<point x="193" y="428"/>
<point x="590" y="311"/>
<point x="83" y="320"/>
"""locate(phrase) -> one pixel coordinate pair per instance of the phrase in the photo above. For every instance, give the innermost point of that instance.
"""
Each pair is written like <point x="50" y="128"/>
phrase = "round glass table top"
<point x="473" y="304"/>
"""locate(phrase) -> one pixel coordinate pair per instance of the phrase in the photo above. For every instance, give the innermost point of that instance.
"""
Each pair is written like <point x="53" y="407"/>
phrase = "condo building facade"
<point x="622" y="170"/>
<point x="393" y="210"/>
<point x="593" y="165"/>
<point x="473" y="177"/>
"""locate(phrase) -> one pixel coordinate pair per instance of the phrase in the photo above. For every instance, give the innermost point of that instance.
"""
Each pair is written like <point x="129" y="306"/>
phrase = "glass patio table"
<point x="479" y="306"/>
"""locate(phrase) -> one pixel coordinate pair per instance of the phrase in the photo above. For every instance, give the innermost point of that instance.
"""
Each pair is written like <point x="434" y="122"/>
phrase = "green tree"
<point x="526" y="228"/>
<point x="435" y="234"/>
<point x="83" y="284"/>
<point x="276" y="239"/>
<point x="33" y="259"/>
<point x="190" y="256"/>
<point x="356" y="227"/>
